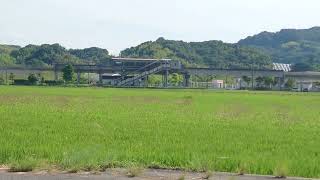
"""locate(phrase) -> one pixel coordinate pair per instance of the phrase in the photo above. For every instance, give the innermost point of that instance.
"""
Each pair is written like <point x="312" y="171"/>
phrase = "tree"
<point x="33" y="79"/>
<point x="246" y="79"/>
<point x="154" y="79"/>
<point x="11" y="77"/>
<point x="68" y="73"/>
<point x="268" y="82"/>
<point x="6" y="59"/>
<point x="176" y="79"/>
<point x="290" y="83"/>
<point x="259" y="81"/>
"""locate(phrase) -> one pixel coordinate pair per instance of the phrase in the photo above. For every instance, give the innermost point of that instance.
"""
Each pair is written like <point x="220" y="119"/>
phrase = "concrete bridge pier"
<point x="165" y="78"/>
<point x="78" y="77"/>
<point x="100" y="78"/>
<point x="56" y="77"/>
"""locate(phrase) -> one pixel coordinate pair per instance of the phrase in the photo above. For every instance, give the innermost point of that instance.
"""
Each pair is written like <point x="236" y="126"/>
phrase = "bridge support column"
<point x="281" y="82"/>
<point x="55" y="73"/>
<point x="165" y="78"/>
<point x="100" y="78"/>
<point x="186" y="80"/>
<point x="146" y="80"/>
<point x="78" y="77"/>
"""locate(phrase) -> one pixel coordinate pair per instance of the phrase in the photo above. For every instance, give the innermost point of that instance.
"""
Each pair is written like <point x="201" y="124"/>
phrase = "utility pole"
<point x="166" y="74"/>
<point x="6" y="75"/>
<point x="252" y="83"/>
<point x="89" y="73"/>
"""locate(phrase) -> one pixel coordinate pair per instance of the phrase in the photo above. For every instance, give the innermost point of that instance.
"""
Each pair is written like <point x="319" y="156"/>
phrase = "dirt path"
<point x="122" y="174"/>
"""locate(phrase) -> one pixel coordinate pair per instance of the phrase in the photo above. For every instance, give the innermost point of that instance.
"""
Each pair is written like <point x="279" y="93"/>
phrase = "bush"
<point x="33" y="79"/>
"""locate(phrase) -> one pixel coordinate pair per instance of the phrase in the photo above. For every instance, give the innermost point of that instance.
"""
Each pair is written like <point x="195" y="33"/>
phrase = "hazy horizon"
<point x="119" y="24"/>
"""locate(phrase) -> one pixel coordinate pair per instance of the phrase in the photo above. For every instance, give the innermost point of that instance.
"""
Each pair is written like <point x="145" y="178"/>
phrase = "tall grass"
<point x="90" y="129"/>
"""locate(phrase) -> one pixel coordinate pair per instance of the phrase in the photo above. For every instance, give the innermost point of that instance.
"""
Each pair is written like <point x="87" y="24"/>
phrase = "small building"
<point x="110" y="79"/>
<point x="218" y="84"/>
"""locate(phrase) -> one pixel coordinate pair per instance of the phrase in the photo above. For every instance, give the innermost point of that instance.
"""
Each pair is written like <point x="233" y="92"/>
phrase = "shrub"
<point x="134" y="172"/>
<point x="33" y="79"/>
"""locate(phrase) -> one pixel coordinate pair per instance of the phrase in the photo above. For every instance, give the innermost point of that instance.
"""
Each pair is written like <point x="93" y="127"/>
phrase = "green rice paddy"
<point x="91" y="129"/>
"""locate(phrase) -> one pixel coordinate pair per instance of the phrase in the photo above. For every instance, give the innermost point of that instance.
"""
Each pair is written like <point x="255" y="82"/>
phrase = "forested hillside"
<point x="201" y="54"/>
<point x="289" y="46"/>
<point x="46" y="55"/>
<point x="298" y="47"/>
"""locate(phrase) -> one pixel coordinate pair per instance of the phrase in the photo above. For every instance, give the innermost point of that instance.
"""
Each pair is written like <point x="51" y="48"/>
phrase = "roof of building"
<point x="282" y="67"/>
<point x="111" y="75"/>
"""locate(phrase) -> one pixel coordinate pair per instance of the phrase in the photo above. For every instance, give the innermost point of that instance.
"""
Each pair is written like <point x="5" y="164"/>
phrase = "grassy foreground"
<point x="70" y="128"/>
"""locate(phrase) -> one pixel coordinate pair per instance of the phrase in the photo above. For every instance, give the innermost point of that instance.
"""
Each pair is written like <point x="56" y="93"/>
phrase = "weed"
<point x="281" y="171"/>
<point x="207" y="175"/>
<point x="134" y="172"/>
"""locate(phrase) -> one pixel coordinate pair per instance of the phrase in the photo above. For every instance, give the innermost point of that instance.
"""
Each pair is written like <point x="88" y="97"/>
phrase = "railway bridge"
<point x="139" y="68"/>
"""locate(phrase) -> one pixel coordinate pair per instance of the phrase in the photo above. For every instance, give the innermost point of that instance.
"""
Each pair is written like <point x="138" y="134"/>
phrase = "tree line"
<point x="46" y="55"/>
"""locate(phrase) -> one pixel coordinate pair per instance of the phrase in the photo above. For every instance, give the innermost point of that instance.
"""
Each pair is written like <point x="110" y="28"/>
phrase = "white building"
<point x="218" y="84"/>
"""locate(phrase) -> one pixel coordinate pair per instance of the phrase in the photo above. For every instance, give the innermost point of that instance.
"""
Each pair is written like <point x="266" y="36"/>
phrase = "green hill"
<point x="49" y="54"/>
<point x="299" y="47"/>
<point x="201" y="54"/>
<point x="289" y="45"/>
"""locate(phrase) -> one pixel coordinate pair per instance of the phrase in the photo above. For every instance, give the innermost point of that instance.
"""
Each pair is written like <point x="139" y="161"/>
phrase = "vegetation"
<point x="68" y="73"/>
<point x="47" y="55"/>
<point x="290" y="83"/>
<point x="5" y="58"/>
<point x="82" y="128"/>
<point x="289" y="46"/>
<point x="92" y="55"/>
<point x="33" y="79"/>
<point x="202" y="54"/>
<point x="175" y="79"/>
<point x="298" y="47"/>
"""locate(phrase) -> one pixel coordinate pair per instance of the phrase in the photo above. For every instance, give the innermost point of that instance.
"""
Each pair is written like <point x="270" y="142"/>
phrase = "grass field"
<point x="82" y="128"/>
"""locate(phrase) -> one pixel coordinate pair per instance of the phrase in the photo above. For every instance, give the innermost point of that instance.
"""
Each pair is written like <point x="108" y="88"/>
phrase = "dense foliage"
<point x="46" y="55"/>
<point x="68" y="72"/>
<point x="289" y="46"/>
<point x="5" y="57"/>
<point x="298" y="47"/>
<point x="94" y="54"/>
<point x="202" y="54"/>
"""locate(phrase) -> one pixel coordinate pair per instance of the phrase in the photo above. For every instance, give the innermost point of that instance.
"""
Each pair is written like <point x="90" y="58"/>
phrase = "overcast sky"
<point x="117" y="24"/>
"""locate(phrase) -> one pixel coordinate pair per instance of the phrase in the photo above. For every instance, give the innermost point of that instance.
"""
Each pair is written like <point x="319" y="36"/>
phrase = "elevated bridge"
<point x="140" y="67"/>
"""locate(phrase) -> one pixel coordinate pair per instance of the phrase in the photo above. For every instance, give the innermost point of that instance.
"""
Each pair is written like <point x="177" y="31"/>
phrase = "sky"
<point x="119" y="24"/>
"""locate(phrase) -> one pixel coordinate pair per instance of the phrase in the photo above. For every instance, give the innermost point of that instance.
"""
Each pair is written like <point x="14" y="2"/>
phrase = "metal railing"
<point x="138" y="71"/>
<point x="144" y="74"/>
